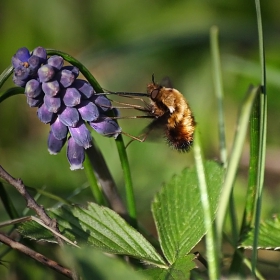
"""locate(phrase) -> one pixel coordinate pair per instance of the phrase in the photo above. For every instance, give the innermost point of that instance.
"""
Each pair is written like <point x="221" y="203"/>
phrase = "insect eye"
<point x="154" y="93"/>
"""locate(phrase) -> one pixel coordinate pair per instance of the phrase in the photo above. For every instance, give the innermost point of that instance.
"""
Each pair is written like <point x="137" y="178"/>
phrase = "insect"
<point x="170" y="107"/>
<point x="170" y="111"/>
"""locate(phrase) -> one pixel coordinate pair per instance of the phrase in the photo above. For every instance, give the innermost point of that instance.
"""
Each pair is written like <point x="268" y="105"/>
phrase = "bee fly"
<point x="170" y="111"/>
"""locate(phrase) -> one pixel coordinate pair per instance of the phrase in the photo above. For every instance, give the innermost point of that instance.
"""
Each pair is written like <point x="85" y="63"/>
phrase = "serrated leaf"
<point x="35" y="231"/>
<point x="102" y="228"/>
<point x="92" y="264"/>
<point x="178" y="212"/>
<point x="180" y="270"/>
<point x="269" y="236"/>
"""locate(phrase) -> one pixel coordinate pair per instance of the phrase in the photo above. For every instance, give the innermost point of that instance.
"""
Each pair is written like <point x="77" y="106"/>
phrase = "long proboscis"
<point x="124" y="94"/>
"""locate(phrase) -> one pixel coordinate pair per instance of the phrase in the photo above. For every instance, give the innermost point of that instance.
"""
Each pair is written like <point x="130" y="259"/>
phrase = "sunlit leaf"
<point x="178" y="211"/>
<point x="100" y="227"/>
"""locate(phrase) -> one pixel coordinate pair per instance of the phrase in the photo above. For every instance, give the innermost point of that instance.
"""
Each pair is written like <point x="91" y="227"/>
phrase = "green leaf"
<point x="92" y="264"/>
<point x="178" y="211"/>
<point x="179" y="270"/>
<point x="35" y="231"/>
<point x="269" y="236"/>
<point x="102" y="228"/>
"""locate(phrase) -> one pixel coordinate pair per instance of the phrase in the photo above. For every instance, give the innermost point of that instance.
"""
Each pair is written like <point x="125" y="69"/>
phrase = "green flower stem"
<point x="5" y="75"/>
<point x="10" y="92"/>
<point x="211" y="248"/>
<point x="128" y="181"/>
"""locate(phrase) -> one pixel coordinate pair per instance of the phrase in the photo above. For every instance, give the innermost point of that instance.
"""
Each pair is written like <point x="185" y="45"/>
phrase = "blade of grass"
<point x="250" y="204"/>
<point x="211" y="248"/>
<point x="239" y="139"/>
<point x="218" y="85"/>
<point x="247" y="220"/>
<point x="263" y="130"/>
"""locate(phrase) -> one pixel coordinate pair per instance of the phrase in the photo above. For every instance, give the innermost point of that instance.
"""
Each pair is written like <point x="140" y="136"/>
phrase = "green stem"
<point x="130" y="200"/>
<point x="5" y="75"/>
<point x="212" y="253"/>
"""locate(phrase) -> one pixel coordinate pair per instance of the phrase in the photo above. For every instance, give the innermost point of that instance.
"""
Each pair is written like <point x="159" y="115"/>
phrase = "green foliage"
<point x="178" y="212"/>
<point x="269" y="238"/>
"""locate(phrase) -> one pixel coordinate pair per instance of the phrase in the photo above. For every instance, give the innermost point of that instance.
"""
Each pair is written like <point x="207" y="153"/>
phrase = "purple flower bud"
<point x="44" y="115"/>
<point x="106" y="126"/>
<point x="55" y="145"/>
<point x="59" y="130"/>
<point x="33" y="88"/>
<point x="16" y="62"/>
<point x="73" y="69"/>
<point x="51" y="88"/>
<point x="75" y="154"/>
<point x="81" y="135"/>
<point x="103" y="102"/>
<point x="21" y="75"/>
<point x="56" y="61"/>
<point x="71" y="97"/>
<point x="52" y="103"/>
<point x="88" y="110"/>
<point x="65" y="77"/>
<point x="20" y="56"/>
<point x="34" y="102"/>
<point x="84" y="88"/>
<point x="69" y="116"/>
<point x="34" y="64"/>
<point x="41" y="53"/>
<point x="46" y="73"/>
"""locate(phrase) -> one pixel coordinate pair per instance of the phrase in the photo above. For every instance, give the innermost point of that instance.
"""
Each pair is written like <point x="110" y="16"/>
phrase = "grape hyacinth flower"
<point x="65" y="102"/>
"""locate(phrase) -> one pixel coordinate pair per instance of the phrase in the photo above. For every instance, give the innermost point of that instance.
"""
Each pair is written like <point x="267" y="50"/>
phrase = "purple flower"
<point x="26" y="65"/>
<point x="107" y="127"/>
<point x="68" y="104"/>
<point x="75" y="154"/>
